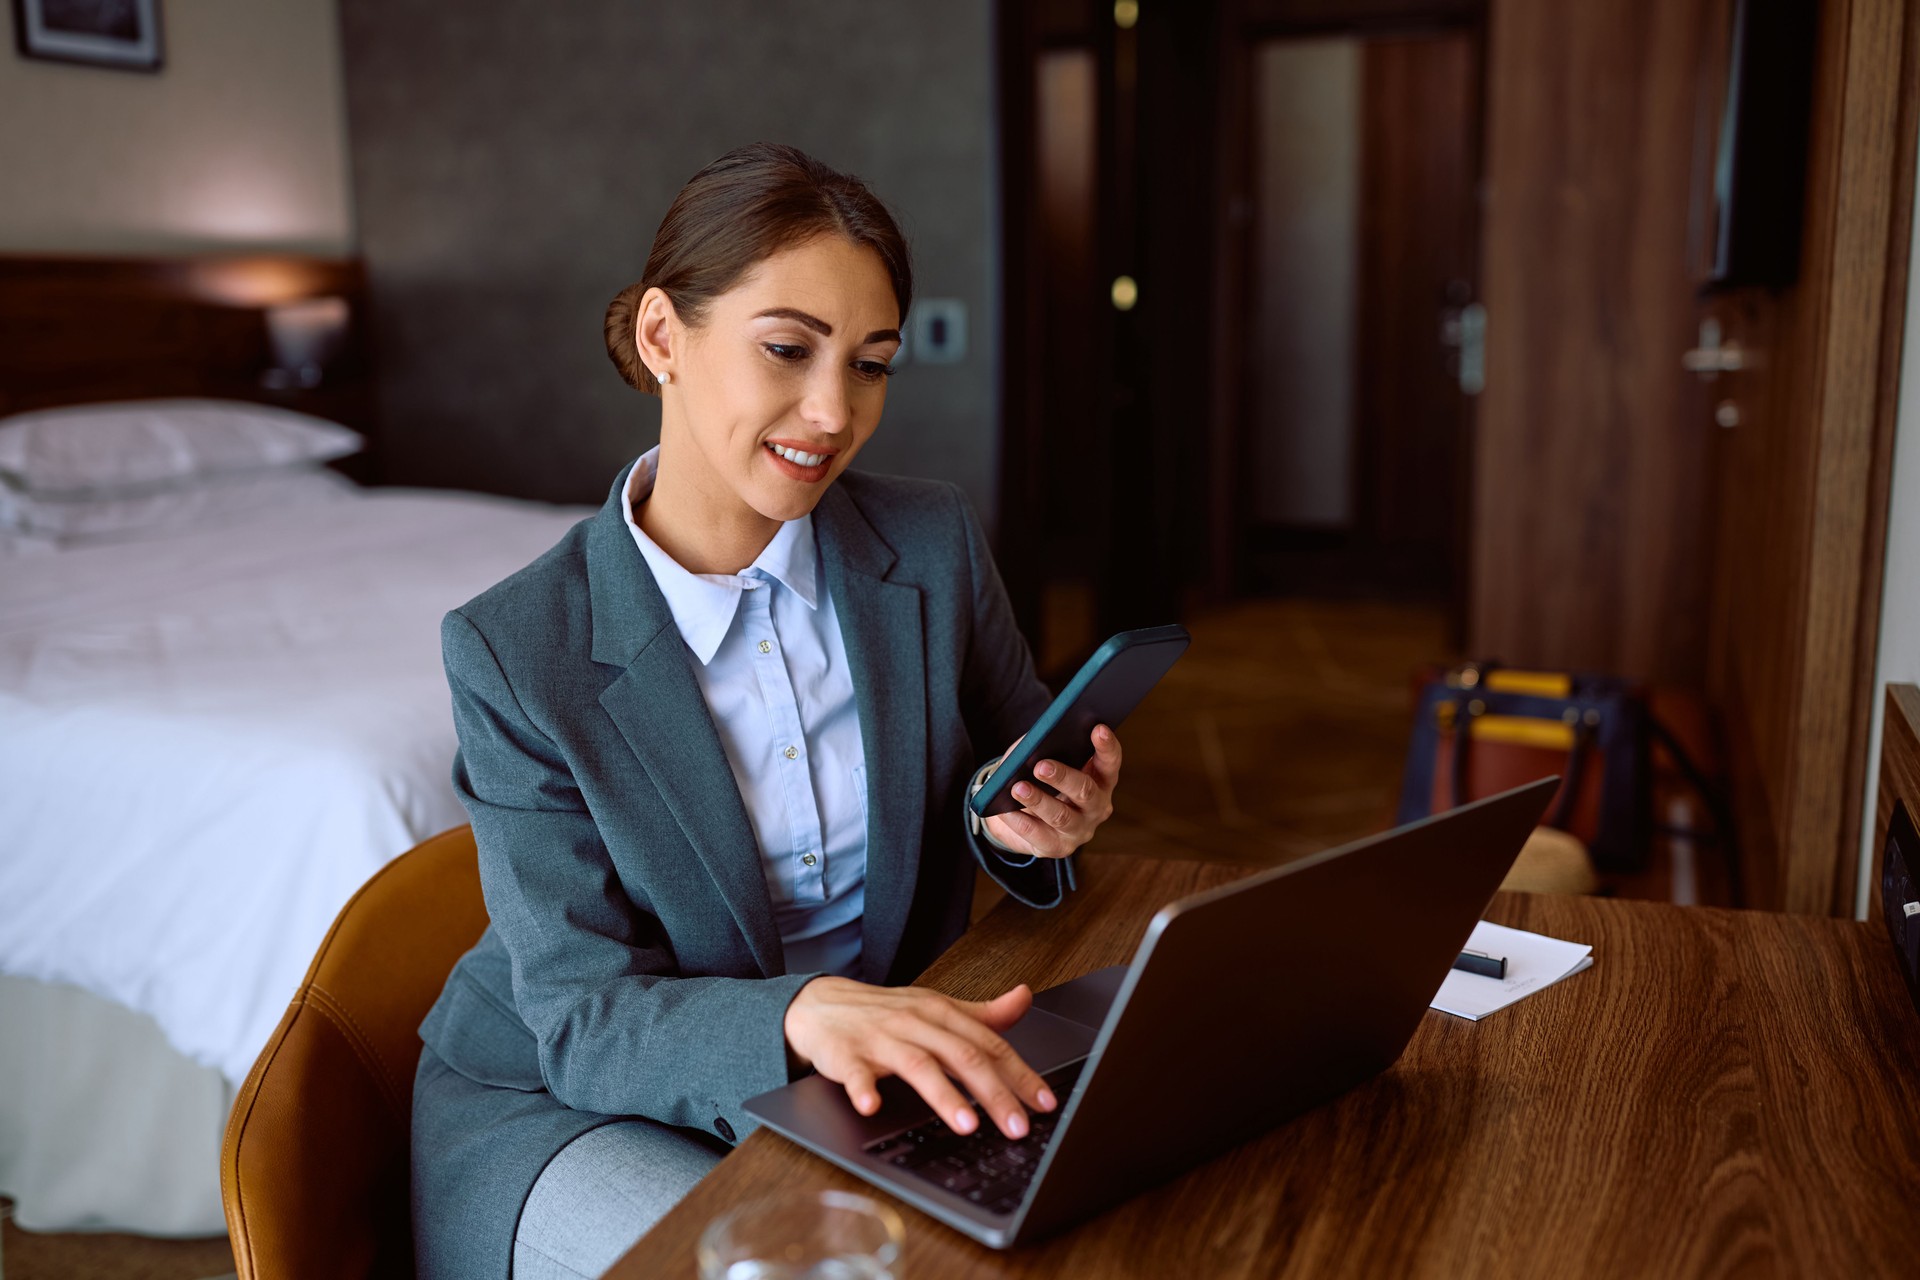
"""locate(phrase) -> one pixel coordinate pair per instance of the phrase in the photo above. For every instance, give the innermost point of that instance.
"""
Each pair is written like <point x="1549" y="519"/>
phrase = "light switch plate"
<point x="939" y="331"/>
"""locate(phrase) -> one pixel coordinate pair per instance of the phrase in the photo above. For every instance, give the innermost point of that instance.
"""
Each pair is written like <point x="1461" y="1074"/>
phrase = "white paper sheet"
<point x="209" y="740"/>
<point x="1534" y="962"/>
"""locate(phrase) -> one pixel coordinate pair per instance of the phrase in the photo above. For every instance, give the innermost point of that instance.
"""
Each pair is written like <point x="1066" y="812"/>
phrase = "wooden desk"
<point x="1723" y="1093"/>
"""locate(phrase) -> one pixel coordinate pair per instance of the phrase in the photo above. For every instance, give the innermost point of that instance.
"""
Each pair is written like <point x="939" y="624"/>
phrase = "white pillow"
<point x="69" y="519"/>
<point x="100" y="449"/>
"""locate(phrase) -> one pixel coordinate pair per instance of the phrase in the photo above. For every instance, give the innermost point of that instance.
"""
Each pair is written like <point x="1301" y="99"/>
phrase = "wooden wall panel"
<point x="1802" y="488"/>
<point x="1589" y="525"/>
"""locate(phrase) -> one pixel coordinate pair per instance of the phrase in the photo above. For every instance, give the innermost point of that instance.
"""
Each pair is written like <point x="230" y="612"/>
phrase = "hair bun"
<point x="623" y="315"/>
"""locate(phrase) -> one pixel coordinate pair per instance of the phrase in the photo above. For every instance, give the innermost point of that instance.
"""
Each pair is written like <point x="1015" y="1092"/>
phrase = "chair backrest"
<point x="314" y="1169"/>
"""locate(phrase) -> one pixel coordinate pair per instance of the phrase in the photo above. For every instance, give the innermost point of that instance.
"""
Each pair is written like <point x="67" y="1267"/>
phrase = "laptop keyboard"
<point x="984" y="1167"/>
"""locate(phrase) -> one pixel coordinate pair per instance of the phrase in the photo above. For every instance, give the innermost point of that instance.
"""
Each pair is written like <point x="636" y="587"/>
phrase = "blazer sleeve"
<point x="1000" y="698"/>
<point x="593" y="972"/>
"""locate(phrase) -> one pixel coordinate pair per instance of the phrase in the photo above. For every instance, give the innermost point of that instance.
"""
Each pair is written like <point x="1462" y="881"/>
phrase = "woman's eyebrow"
<point x="820" y="326"/>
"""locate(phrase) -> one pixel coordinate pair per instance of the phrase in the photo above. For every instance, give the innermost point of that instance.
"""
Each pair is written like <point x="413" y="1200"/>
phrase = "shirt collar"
<point x="703" y="604"/>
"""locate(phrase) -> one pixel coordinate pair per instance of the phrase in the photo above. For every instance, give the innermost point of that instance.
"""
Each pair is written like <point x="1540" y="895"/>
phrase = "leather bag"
<point x="1480" y="729"/>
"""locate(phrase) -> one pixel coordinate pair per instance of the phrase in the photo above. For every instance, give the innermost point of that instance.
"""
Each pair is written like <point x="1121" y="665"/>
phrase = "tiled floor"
<point x="1281" y="732"/>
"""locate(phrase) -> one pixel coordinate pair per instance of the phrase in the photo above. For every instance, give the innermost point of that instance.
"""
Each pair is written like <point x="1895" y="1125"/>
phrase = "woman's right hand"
<point x="854" y="1034"/>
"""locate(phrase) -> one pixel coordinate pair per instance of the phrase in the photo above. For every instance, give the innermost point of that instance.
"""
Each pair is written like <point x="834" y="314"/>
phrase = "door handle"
<point x="1465" y="332"/>
<point x="1713" y="357"/>
<point x="1712" y="360"/>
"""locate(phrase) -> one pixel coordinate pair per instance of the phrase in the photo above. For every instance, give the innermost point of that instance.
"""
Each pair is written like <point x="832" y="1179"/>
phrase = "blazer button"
<point x="721" y="1127"/>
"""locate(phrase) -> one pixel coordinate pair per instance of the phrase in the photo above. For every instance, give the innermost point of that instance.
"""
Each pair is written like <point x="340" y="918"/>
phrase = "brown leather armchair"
<point x="314" y="1167"/>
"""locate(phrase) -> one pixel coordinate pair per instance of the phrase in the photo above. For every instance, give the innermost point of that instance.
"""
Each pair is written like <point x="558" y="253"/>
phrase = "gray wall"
<point x="237" y="143"/>
<point x="511" y="163"/>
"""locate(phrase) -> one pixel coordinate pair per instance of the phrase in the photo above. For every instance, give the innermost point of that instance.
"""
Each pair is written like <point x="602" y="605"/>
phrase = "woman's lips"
<point x="794" y="471"/>
<point x="804" y="454"/>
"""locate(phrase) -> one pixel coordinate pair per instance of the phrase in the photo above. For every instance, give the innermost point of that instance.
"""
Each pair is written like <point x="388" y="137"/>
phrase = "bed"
<point x="221" y="707"/>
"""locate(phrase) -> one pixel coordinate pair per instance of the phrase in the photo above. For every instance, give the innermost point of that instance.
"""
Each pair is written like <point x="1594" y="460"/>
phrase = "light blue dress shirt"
<point x="772" y="667"/>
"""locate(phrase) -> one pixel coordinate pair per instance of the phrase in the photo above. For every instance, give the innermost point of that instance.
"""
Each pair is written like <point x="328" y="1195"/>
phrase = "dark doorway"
<point x="1239" y="251"/>
<point x="1363" y="338"/>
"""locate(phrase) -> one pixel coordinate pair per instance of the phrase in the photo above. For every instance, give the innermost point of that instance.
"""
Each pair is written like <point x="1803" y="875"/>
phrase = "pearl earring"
<point x="663" y="377"/>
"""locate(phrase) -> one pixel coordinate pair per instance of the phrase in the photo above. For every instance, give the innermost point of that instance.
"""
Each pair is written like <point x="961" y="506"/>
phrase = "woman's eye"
<point x="873" y="370"/>
<point x="787" y="352"/>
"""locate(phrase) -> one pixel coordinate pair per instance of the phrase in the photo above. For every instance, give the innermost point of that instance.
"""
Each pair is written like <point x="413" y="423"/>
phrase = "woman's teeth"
<point x="804" y="459"/>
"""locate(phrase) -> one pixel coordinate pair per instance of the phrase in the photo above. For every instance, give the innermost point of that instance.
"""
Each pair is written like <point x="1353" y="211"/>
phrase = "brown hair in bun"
<point x="745" y="207"/>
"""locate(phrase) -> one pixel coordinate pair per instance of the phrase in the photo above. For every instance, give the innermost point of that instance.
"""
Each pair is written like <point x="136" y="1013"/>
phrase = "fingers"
<point x="1001" y="1012"/>
<point x="918" y="1067"/>
<point x="1009" y="1077"/>
<point x="936" y="1044"/>
<point x="1074" y="786"/>
<point x="1025" y="833"/>
<point x="1053" y="826"/>
<point x="862" y="1089"/>
<point x="1060" y="812"/>
<point x="1106" y="756"/>
<point x="1077" y="817"/>
<point x="1010" y="829"/>
<point x="978" y="1064"/>
<point x="997" y="1015"/>
<point x="1087" y="787"/>
<point x="952" y="1044"/>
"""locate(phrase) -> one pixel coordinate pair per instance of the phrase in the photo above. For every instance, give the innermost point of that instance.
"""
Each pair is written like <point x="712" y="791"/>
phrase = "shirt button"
<point x="792" y="753"/>
<point x="809" y="859"/>
<point x="765" y="647"/>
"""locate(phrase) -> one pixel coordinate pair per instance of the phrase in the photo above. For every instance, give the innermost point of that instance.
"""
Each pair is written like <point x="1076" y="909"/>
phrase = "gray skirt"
<point x="481" y="1151"/>
<point x="602" y="1193"/>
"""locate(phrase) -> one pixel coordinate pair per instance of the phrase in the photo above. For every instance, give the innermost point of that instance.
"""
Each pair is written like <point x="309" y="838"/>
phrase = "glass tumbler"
<point x="804" y="1235"/>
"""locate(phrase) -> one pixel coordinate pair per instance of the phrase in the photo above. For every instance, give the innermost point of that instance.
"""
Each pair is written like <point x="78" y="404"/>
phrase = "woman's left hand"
<point x="1054" y="828"/>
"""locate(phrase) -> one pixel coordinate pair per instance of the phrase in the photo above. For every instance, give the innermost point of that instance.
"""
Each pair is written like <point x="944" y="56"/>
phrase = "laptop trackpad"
<point x="1046" y="1040"/>
<point x="1086" y="999"/>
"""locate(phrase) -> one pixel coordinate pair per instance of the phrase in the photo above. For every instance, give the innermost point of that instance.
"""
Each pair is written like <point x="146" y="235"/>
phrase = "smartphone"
<point x="1104" y="691"/>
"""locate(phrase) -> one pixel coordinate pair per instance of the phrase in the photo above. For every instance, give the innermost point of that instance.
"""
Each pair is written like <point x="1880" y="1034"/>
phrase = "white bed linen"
<point x="209" y="740"/>
<point x="103" y="1125"/>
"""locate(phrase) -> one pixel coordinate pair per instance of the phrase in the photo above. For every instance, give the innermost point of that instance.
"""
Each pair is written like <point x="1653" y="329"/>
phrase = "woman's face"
<point x="784" y="381"/>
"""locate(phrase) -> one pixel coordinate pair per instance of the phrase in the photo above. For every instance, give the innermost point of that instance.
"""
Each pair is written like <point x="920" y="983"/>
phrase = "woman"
<point x="715" y="745"/>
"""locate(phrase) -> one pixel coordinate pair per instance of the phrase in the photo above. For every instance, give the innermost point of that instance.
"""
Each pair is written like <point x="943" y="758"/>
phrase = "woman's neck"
<point x="696" y="518"/>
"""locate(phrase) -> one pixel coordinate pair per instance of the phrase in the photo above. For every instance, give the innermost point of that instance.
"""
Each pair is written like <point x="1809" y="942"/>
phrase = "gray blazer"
<point x="633" y="966"/>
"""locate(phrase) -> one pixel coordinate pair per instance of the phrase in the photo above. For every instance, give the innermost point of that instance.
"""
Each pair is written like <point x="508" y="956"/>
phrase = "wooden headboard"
<point x="84" y="330"/>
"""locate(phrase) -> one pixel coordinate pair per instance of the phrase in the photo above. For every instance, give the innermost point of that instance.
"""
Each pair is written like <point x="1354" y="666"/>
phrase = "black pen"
<point x="1481" y="963"/>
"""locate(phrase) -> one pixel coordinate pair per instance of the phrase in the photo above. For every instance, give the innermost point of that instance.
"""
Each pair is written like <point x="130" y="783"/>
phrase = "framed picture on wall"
<point x="100" y="33"/>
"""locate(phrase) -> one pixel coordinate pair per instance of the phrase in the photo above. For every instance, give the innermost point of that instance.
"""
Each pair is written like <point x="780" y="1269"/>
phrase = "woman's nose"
<point x="827" y="406"/>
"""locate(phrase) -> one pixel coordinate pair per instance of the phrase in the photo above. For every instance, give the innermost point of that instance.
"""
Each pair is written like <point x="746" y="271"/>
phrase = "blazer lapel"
<point x="657" y="706"/>
<point x="886" y="654"/>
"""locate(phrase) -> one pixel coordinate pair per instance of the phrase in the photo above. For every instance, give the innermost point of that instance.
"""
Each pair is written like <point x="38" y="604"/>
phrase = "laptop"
<point x="1243" y="1007"/>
